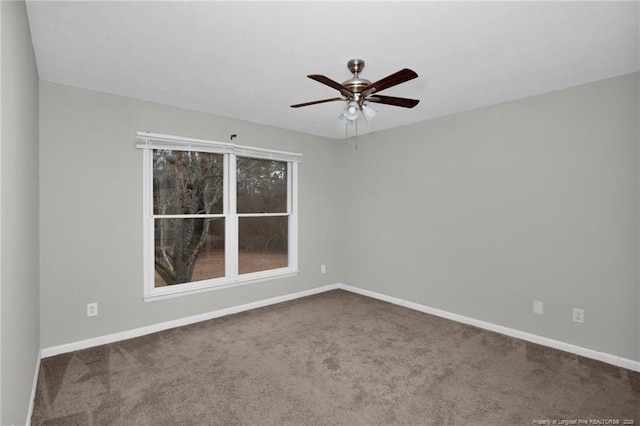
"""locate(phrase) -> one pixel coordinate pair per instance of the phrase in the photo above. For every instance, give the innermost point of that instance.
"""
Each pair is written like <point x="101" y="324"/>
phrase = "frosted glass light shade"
<point x="368" y="113"/>
<point x="351" y="111"/>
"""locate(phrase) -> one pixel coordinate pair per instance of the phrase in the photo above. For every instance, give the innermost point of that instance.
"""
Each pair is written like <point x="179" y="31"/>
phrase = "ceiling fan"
<point x="358" y="92"/>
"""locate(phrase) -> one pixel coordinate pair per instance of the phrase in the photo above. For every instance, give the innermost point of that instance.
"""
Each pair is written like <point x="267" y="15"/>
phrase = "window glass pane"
<point x="262" y="186"/>
<point x="262" y="243"/>
<point x="186" y="182"/>
<point x="188" y="250"/>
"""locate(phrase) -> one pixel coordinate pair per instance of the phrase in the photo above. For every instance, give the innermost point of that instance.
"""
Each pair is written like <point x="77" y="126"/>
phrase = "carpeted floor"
<point x="335" y="358"/>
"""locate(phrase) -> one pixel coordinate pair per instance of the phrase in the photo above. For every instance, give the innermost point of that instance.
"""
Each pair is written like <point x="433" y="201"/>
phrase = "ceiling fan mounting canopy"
<point x="361" y="90"/>
<point x="355" y="65"/>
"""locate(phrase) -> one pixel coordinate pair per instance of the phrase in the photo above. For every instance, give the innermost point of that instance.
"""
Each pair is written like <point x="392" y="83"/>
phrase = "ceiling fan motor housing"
<point x="356" y="84"/>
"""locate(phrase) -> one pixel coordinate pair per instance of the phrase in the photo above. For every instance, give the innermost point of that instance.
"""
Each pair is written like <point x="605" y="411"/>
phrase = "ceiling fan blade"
<point x="331" y="83"/>
<point x="316" y="102"/>
<point x="392" y="100"/>
<point x="392" y="80"/>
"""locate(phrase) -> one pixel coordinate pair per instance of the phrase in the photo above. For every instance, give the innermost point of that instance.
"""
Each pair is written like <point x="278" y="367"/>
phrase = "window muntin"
<point x="247" y="201"/>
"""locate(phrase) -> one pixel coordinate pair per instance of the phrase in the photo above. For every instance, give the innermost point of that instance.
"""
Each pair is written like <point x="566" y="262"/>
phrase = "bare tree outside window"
<point x="187" y="194"/>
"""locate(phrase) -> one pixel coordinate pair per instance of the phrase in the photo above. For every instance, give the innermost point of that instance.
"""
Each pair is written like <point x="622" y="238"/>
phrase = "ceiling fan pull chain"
<point x="356" y="134"/>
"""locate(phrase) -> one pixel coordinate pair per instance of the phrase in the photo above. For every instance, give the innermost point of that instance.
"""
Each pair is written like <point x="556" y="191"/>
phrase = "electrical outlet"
<point x="578" y="315"/>
<point x="323" y="269"/>
<point x="537" y="307"/>
<point x="92" y="309"/>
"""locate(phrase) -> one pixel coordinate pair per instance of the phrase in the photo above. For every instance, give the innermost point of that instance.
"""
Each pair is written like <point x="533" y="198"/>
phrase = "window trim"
<point x="148" y="142"/>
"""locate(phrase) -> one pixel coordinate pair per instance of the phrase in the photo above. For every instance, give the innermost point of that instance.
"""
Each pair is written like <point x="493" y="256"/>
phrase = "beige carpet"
<point x="335" y="358"/>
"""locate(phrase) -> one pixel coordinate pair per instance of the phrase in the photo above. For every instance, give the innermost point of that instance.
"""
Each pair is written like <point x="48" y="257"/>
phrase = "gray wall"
<point x="481" y="213"/>
<point x="91" y="212"/>
<point x="19" y="215"/>
<point x="477" y="213"/>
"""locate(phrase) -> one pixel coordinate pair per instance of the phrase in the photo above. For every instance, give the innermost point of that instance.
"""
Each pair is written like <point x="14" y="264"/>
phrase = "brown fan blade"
<point x="316" y="102"/>
<point x="331" y="83"/>
<point x="392" y="100"/>
<point x="392" y="80"/>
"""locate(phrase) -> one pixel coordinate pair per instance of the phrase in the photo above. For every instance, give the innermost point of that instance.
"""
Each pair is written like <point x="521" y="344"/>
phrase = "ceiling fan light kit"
<point x="358" y="92"/>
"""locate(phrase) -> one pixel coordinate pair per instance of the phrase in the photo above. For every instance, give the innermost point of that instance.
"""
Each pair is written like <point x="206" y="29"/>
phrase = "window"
<point x="263" y="227"/>
<point x="215" y="214"/>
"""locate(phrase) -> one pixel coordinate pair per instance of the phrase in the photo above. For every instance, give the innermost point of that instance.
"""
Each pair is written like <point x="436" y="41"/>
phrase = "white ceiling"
<point x="249" y="60"/>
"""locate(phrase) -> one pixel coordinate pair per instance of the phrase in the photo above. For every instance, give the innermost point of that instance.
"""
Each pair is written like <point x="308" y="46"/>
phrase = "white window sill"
<point x="204" y="286"/>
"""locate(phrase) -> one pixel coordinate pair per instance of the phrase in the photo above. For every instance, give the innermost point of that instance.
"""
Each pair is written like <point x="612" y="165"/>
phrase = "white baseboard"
<point x="137" y="332"/>
<point x="533" y="338"/>
<point x="142" y="331"/>
<point x="33" y="389"/>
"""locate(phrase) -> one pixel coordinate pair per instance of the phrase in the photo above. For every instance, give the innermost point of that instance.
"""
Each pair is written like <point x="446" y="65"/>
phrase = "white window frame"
<point x="150" y="141"/>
